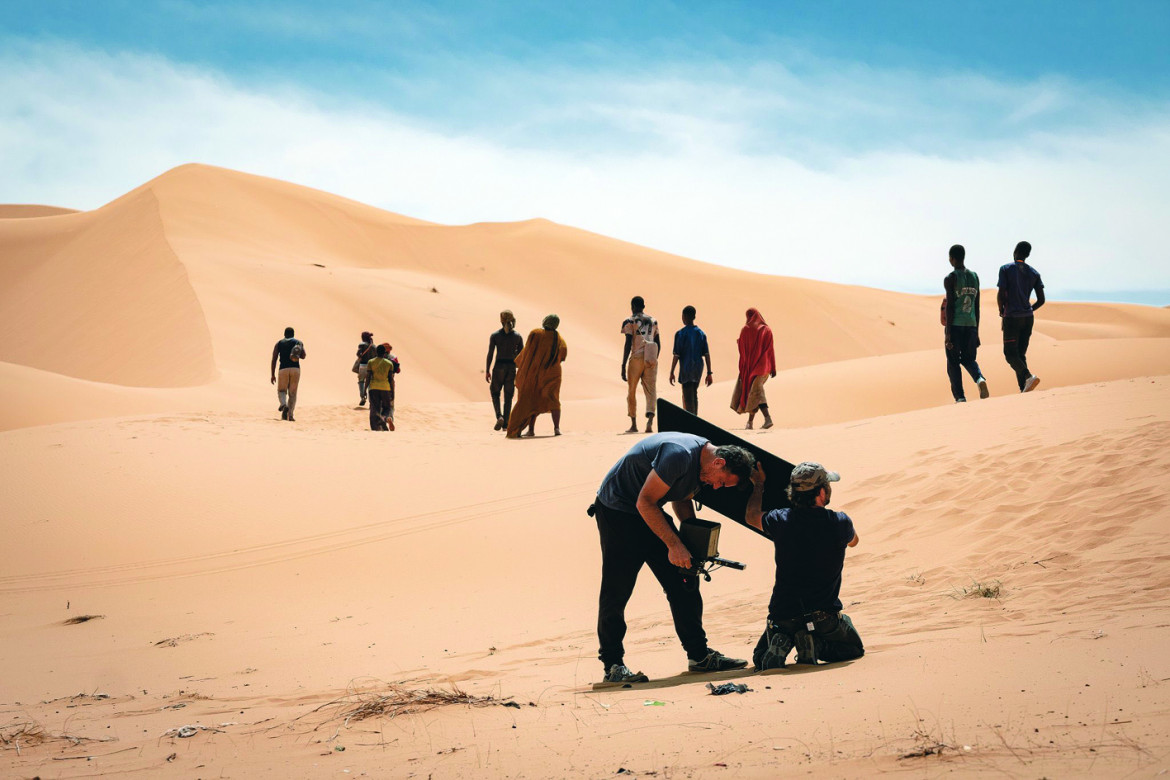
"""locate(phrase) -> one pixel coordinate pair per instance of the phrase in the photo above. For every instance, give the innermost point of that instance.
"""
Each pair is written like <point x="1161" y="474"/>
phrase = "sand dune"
<point x="189" y="279"/>
<point x="248" y="578"/>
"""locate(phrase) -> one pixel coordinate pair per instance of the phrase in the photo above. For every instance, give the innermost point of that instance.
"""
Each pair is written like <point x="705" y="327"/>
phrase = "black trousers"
<point x="379" y="409"/>
<point x="832" y="638"/>
<point x="627" y="544"/>
<point x="503" y="378"/>
<point x="1017" y="332"/>
<point x="690" y="392"/>
<point x="964" y="346"/>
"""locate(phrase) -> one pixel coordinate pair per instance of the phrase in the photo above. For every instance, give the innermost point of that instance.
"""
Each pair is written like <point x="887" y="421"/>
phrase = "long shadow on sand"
<point x="690" y="678"/>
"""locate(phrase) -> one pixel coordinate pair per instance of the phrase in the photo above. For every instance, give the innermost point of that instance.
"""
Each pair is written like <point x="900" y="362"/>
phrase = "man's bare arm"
<point x="652" y="492"/>
<point x="856" y="539"/>
<point x="755" y="513"/>
<point x="1039" y="299"/>
<point x="626" y="353"/>
<point x="275" y="355"/>
<point x="683" y="510"/>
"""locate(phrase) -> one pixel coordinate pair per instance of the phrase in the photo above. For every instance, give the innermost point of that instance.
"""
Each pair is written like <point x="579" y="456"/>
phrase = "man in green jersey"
<point x="961" y="320"/>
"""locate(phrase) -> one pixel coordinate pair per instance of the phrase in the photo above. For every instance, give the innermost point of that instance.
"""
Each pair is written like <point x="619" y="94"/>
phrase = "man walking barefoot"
<point x="506" y="344"/>
<point x="640" y="362"/>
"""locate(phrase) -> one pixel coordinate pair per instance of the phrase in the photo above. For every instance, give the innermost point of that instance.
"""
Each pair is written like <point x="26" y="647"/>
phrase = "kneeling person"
<point x="805" y="611"/>
<point x="636" y="532"/>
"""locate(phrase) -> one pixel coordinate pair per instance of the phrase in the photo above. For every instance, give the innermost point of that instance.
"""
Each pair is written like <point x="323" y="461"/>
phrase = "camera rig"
<point x="701" y="538"/>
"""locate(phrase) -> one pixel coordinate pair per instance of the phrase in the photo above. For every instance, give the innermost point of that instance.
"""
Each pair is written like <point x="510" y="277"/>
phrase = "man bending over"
<point x="635" y="532"/>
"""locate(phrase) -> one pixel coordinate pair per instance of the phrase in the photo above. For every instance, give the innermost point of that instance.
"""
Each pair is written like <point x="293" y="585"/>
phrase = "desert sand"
<point x="249" y="583"/>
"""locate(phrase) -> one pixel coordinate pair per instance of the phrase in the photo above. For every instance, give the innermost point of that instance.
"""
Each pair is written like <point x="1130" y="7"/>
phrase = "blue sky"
<point x="848" y="141"/>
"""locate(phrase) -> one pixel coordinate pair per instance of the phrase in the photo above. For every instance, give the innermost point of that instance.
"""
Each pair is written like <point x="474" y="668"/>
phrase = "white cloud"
<point x="678" y="164"/>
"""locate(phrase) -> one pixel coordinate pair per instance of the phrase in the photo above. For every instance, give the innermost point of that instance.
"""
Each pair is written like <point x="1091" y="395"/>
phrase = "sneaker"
<point x="775" y="655"/>
<point x="1030" y="383"/>
<point x="767" y="424"/>
<point x="806" y="649"/>
<point x="716" y="662"/>
<point x="284" y="412"/>
<point x="960" y="400"/>
<point x="620" y="673"/>
<point x="983" y="391"/>
<point x="500" y="424"/>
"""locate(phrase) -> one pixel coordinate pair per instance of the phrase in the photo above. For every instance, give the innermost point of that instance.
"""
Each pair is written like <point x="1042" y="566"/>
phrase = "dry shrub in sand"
<point x="979" y="590"/>
<point x="29" y="734"/>
<point x="390" y="700"/>
<point x="73" y="621"/>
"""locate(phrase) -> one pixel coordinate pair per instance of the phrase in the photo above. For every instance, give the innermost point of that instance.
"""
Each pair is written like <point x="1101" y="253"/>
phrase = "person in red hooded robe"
<point x="757" y="362"/>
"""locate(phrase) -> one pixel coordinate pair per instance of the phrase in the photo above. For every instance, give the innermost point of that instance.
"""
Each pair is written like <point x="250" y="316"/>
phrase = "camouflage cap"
<point x="811" y="476"/>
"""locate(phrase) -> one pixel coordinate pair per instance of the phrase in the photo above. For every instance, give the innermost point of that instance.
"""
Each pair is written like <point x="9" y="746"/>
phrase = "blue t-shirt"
<point x="673" y="456"/>
<point x="690" y="344"/>
<point x="1018" y="280"/>
<point x="810" y="554"/>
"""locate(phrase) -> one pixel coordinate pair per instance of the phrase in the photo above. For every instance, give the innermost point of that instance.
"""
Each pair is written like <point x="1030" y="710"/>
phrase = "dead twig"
<point x="395" y="700"/>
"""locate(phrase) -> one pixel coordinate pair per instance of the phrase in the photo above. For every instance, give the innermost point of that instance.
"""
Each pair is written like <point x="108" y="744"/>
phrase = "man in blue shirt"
<point x="805" y="610"/>
<point x="690" y="349"/>
<point x="635" y="532"/>
<point x="1017" y="281"/>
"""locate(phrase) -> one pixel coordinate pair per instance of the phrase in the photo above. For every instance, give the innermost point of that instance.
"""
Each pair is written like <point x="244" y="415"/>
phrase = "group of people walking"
<point x="376" y="368"/>
<point x="529" y="372"/>
<point x="960" y="311"/>
<point x="533" y="373"/>
<point x="524" y="377"/>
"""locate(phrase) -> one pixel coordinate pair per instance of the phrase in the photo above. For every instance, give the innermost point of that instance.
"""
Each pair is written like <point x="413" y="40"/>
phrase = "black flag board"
<point x="729" y="502"/>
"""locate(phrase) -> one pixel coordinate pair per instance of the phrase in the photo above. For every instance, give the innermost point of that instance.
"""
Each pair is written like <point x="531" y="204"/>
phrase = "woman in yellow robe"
<point x="538" y="379"/>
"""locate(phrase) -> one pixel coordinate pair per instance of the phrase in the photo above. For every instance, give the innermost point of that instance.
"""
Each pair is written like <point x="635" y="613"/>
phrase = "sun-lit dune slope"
<point x="194" y="275"/>
<point x="100" y="296"/>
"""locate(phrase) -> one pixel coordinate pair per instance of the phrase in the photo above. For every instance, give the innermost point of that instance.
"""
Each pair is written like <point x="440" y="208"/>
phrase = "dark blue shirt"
<point x="810" y="554"/>
<point x="673" y="456"/>
<point x="1018" y="280"/>
<point x="284" y="349"/>
<point x="690" y="344"/>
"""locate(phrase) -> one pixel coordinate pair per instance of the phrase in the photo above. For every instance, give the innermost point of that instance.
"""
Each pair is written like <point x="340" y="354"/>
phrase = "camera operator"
<point x="635" y="531"/>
